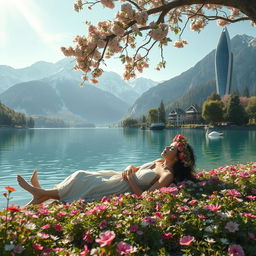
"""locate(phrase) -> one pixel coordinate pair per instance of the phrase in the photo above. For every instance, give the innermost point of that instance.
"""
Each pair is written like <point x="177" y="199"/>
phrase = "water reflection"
<point x="56" y="153"/>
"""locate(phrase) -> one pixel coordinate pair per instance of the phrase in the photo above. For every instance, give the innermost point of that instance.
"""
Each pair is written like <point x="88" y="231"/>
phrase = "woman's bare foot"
<point x="25" y="185"/>
<point x="37" y="200"/>
<point x="34" y="179"/>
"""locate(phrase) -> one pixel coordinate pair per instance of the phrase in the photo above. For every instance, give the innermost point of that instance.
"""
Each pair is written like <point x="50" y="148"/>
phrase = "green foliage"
<point x="251" y="107"/>
<point x="213" y="111"/>
<point x="11" y="118"/>
<point x="153" y="115"/>
<point x="130" y="122"/>
<point x="213" y="214"/>
<point x="235" y="112"/>
<point x="162" y="112"/>
<point x="246" y="92"/>
<point x="214" y="96"/>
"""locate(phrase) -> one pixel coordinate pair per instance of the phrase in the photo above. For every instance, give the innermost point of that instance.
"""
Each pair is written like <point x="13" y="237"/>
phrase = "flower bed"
<point x="215" y="216"/>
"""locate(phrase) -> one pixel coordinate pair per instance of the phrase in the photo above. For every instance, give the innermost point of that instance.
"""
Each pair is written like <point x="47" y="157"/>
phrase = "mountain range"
<point x="196" y="84"/>
<point x="52" y="89"/>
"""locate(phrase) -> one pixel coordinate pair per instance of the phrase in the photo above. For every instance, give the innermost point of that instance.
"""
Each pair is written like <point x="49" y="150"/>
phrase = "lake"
<point x="57" y="153"/>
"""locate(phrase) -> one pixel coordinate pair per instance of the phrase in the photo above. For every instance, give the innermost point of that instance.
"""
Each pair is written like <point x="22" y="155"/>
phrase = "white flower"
<point x="144" y="224"/>
<point x="9" y="247"/>
<point x="210" y="240"/>
<point x="224" y="241"/>
<point x="30" y="226"/>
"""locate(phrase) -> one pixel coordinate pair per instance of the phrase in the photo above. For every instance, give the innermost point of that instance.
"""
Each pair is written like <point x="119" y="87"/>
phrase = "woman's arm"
<point x="130" y="169"/>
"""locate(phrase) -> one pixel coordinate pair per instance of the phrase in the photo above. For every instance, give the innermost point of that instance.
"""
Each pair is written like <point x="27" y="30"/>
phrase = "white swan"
<point x="213" y="134"/>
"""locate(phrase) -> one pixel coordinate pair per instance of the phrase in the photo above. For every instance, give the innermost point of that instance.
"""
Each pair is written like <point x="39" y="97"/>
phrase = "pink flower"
<point x="232" y="226"/>
<point x="18" y="249"/>
<point x="201" y="216"/>
<point x="233" y="192"/>
<point x="73" y="212"/>
<point x="235" y="250"/>
<point x="105" y="238"/>
<point x="138" y="206"/>
<point x="86" y="237"/>
<point x="85" y="251"/>
<point x="43" y="235"/>
<point x="124" y="248"/>
<point x="134" y="228"/>
<point x="103" y="224"/>
<point x="38" y="247"/>
<point x="61" y="214"/>
<point x="58" y="227"/>
<point x="248" y="215"/>
<point x="158" y="207"/>
<point x="244" y="174"/>
<point x="43" y="211"/>
<point x="167" y="236"/>
<point x="158" y="215"/>
<point x="186" y="240"/>
<point x="251" y="197"/>
<point x="213" y="207"/>
<point x="105" y="199"/>
<point x="45" y="226"/>
<point x="172" y="190"/>
<point x="192" y="202"/>
<point x="149" y="220"/>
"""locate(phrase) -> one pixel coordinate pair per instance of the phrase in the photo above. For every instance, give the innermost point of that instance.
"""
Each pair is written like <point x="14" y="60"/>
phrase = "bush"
<point x="215" y="216"/>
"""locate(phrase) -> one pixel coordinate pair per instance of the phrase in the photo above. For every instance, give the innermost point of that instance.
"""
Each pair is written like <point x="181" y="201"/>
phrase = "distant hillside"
<point x="64" y="99"/>
<point x="191" y="84"/>
<point x="11" y="118"/>
<point x="63" y="69"/>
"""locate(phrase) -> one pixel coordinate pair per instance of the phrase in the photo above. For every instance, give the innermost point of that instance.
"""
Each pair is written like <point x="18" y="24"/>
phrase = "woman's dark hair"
<point x="181" y="172"/>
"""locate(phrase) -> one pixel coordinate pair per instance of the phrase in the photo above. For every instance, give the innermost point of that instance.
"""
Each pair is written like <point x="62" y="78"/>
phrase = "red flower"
<point x="13" y="209"/>
<point x="10" y="189"/>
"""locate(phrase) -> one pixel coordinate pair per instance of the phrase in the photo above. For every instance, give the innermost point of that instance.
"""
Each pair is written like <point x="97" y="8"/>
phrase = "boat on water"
<point x="157" y="126"/>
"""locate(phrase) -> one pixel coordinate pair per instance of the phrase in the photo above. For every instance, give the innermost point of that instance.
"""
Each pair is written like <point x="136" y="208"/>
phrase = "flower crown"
<point x="183" y="151"/>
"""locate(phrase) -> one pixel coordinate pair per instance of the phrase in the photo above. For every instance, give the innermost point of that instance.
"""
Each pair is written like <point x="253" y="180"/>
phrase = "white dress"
<point x="95" y="185"/>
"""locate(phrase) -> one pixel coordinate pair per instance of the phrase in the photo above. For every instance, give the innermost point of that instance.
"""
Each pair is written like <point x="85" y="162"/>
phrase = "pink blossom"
<point x="134" y="228"/>
<point x="201" y="216"/>
<point x="103" y="224"/>
<point x="166" y="236"/>
<point x="149" y="220"/>
<point x="158" y="206"/>
<point x="73" y="212"/>
<point x="172" y="216"/>
<point x="105" y="199"/>
<point x="85" y="251"/>
<point x="38" y="247"/>
<point x="213" y="207"/>
<point x="172" y="190"/>
<point x="186" y="240"/>
<point x="138" y="206"/>
<point x="248" y="215"/>
<point x="18" y="249"/>
<point x="158" y="215"/>
<point x="58" y="227"/>
<point x="43" y="211"/>
<point x="233" y="192"/>
<point x="87" y="238"/>
<point x="235" y="250"/>
<point x="244" y="174"/>
<point x="45" y="226"/>
<point x="192" y="202"/>
<point x="108" y="3"/>
<point x="124" y="248"/>
<point x="179" y="44"/>
<point x="43" y="235"/>
<point x="61" y="214"/>
<point x="105" y="238"/>
<point x="232" y="226"/>
<point x="251" y="197"/>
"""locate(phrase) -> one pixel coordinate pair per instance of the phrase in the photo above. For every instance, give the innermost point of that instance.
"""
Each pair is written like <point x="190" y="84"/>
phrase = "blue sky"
<point x="34" y="30"/>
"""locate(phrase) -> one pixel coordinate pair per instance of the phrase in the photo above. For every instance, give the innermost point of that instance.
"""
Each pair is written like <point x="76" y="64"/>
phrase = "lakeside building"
<point x="223" y="64"/>
<point x="191" y="115"/>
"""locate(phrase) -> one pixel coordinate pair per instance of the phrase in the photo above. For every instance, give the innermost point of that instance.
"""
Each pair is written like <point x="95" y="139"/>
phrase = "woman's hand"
<point x="128" y="172"/>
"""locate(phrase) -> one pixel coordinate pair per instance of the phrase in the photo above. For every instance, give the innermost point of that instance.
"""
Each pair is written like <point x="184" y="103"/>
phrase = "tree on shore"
<point x="251" y="108"/>
<point x="130" y="122"/>
<point x="213" y="111"/>
<point x="153" y="115"/>
<point x="235" y="112"/>
<point x="162" y="113"/>
<point x="155" y="21"/>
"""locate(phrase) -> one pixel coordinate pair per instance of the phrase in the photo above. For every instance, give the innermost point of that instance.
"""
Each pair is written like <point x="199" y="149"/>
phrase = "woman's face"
<point x="170" y="152"/>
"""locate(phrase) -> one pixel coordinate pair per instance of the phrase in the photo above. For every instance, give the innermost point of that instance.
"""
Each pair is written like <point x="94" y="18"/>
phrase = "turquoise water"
<point x="57" y="153"/>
